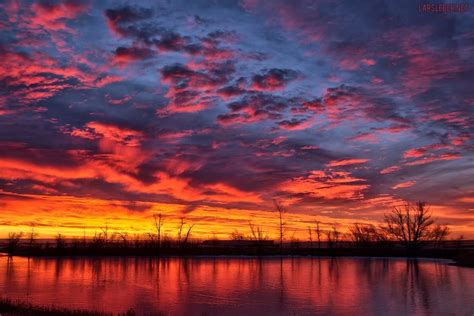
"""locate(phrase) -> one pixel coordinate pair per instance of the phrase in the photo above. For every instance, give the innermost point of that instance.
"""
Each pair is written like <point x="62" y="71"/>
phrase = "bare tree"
<point x="84" y="240"/>
<point x="365" y="235"/>
<point x="310" y="234"/>
<point x="329" y="238"/>
<point x="336" y="236"/>
<point x="32" y="238"/>
<point x="280" y="211"/>
<point x="257" y="232"/>
<point x="188" y="233"/>
<point x="113" y="237"/>
<point x="98" y="240"/>
<point x="14" y="240"/>
<point x="166" y="241"/>
<point x="439" y="234"/>
<point x="151" y="236"/>
<point x="411" y="224"/>
<point x="60" y="242"/>
<point x="180" y="229"/>
<point x="159" y="220"/>
<point x="318" y="233"/>
<point x="294" y="242"/>
<point x="458" y="242"/>
<point x="236" y="235"/>
<point x="333" y="237"/>
<point x="136" y="240"/>
<point x="105" y="232"/>
<point x="123" y="236"/>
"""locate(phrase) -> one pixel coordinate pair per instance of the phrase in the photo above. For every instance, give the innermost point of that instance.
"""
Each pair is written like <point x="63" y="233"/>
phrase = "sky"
<point x="112" y="111"/>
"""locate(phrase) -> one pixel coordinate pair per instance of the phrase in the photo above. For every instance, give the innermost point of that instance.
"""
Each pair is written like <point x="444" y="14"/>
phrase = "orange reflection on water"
<point x="246" y="286"/>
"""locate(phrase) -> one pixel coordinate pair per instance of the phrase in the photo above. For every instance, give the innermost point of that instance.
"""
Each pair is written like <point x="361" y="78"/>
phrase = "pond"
<point x="243" y="286"/>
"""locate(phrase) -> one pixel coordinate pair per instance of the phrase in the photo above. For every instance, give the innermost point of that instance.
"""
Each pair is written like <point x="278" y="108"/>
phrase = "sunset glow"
<point x="112" y="113"/>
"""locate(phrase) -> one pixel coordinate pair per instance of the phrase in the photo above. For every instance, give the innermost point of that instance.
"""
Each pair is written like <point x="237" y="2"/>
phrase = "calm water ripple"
<point x="243" y="286"/>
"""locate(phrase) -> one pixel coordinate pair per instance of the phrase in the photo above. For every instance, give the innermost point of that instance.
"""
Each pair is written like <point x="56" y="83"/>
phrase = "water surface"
<point x="243" y="286"/>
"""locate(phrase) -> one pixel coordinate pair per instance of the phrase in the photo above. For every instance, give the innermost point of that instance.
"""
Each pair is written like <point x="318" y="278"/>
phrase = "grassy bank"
<point x="461" y="252"/>
<point x="14" y="307"/>
<point x="256" y="250"/>
<point x="465" y="260"/>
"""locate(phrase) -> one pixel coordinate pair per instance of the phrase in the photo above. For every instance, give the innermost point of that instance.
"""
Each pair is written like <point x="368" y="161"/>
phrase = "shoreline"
<point x="447" y="261"/>
<point x="459" y="255"/>
<point x="10" y="306"/>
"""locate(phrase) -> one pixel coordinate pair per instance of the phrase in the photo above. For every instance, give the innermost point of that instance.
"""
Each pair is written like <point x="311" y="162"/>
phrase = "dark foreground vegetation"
<point x="448" y="250"/>
<point x="11" y="307"/>
<point x="407" y="231"/>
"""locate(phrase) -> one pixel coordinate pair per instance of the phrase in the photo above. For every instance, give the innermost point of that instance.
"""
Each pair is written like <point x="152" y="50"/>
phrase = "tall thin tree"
<point x="280" y="209"/>
<point x="158" y="224"/>
<point x="188" y="233"/>
<point x="318" y="233"/>
<point x="180" y="229"/>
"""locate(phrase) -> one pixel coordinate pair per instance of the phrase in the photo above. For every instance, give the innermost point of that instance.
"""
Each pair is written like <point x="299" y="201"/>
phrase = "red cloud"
<point x="326" y="185"/>
<point x="36" y="76"/>
<point x="456" y="118"/>
<point x="390" y="169"/>
<point x="53" y="16"/>
<point x="119" y="19"/>
<point x="430" y="159"/>
<point x="193" y="87"/>
<point x="346" y="162"/>
<point x="115" y="133"/>
<point x="404" y="185"/>
<point x="419" y="152"/>
<point x="295" y="124"/>
<point x="125" y="55"/>
<point x="459" y="140"/>
<point x="414" y="153"/>
<point x="175" y="136"/>
<point x="394" y="129"/>
<point x="366" y="138"/>
<point x="273" y="79"/>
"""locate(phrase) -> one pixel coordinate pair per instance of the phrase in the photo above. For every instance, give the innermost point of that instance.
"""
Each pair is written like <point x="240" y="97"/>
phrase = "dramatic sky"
<point x="111" y="111"/>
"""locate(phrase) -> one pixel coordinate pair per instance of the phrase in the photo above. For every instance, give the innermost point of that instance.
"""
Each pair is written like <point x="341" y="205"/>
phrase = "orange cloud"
<point x="115" y="133"/>
<point x="467" y="199"/>
<point x="419" y="152"/>
<point x="390" y="169"/>
<point x="426" y="160"/>
<point x="326" y="185"/>
<point x="346" y="162"/>
<point x="406" y="184"/>
<point x="21" y="169"/>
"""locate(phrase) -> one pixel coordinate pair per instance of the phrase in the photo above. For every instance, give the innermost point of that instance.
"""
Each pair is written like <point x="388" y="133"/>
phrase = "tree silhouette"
<point x="13" y="242"/>
<point x="188" y="233"/>
<point x="180" y="230"/>
<point x="412" y="224"/>
<point x="333" y="237"/>
<point x="280" y="211"/>
<point x="257" y="232"/>
<point x="32" y="238"/>
<point x="365" y="235"/>
<point x="438" y="234"/>
<point x="318" y="233"/>
<point x="159" y="220"/>
<point x="236" y="235"/>
<point x="60" y="242"/>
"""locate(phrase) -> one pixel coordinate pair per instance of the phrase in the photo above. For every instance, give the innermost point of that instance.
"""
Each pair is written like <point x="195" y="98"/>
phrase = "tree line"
<point x="410" y="225"/>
